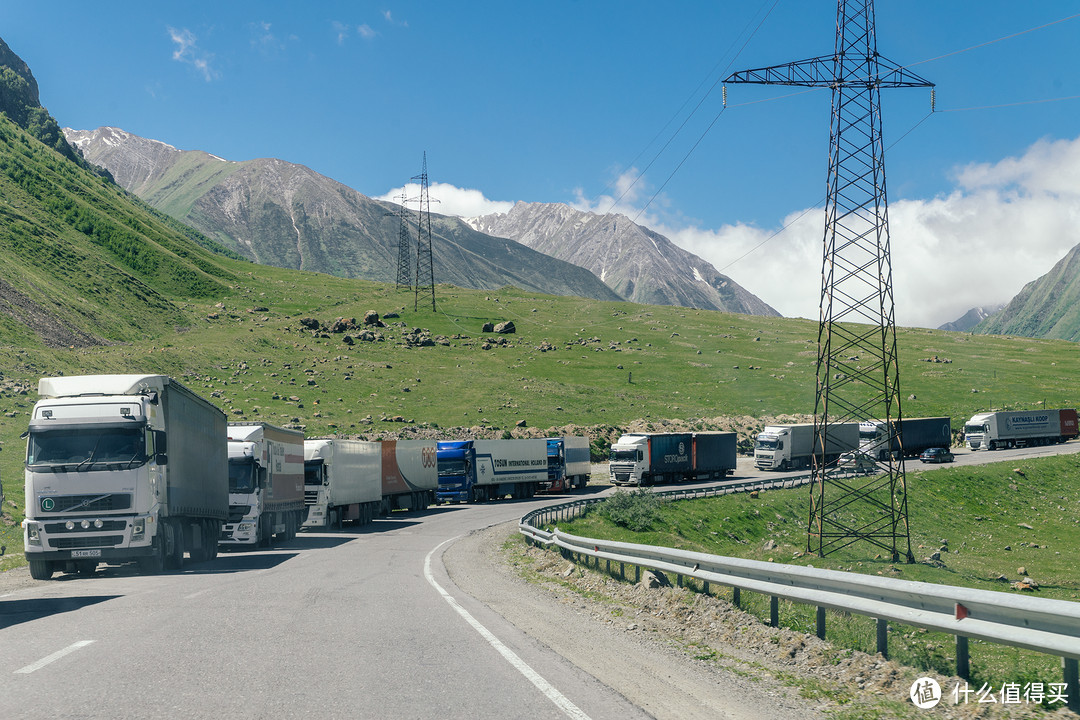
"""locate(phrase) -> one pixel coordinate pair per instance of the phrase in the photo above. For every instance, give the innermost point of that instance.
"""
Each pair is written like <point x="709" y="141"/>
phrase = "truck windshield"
<point x="242" y="475"/>
<point x="86" y="447"/>
<point x="452" y="467"/>
<point x="313" y="472"/>
<point x="868" y="434"/>
<point x="974" y="429"/>
<point x="624" y="456"/>
<point x="765" y="444"/>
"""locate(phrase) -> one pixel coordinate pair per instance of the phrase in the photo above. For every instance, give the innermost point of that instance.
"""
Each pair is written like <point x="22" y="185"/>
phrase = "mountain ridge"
<point x="287" y="215"/>
<point x="638" y="263"/>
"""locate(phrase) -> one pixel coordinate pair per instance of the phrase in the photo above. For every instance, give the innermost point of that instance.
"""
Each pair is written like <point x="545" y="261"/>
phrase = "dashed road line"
<point x="52" y="658"/>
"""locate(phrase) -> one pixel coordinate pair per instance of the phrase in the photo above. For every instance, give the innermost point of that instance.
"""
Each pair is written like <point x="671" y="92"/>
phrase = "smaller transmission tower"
<point x="404" y="256"/>
<point x="425" y="265"/>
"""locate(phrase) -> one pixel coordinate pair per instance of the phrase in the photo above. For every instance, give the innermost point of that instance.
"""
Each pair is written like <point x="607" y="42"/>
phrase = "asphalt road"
<point x="362" y="623"/>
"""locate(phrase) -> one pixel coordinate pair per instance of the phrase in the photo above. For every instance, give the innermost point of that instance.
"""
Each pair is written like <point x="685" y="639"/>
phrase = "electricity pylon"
<point x="425" y="267"/>
<point x="858" y="377"/>
<point x="404" y="256"/>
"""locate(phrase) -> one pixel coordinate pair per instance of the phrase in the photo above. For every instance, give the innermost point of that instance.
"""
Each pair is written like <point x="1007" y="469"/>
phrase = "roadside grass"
<point x="976" y="517"/>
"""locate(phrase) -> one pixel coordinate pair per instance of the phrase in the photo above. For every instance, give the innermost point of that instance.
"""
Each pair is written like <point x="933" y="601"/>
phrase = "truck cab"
<point x="627" y="460"/>
<point x="456" y="460"/>
<point x="247" y="482"/>
<point x="772" y="449"/>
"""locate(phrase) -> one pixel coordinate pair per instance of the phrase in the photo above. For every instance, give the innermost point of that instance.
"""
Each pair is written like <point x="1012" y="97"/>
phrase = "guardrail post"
<point x="821" y="622"/>
<point x="963" y="660"/>
<point x="678" y="580"/>
<point x="637" y="574"/>
<point x="622" y="571"/>
<point x="883" y="637"/>
<point x="1071" y="677"/>
<point x="705" y="586"/>
<point x="774" y="611"/>
<point x="736" y="596"/>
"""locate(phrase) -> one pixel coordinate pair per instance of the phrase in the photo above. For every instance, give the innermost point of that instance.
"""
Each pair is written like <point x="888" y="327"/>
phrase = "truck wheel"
<point x="41" y="569"/>
<point x="783" y="465"/>
<point x="154" y="564"/>
<point x="992" y="445"/>
<point x="175" y="559"/>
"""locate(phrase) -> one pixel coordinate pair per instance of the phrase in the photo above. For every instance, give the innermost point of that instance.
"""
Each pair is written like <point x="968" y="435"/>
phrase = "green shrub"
<point x="635" y="510"/>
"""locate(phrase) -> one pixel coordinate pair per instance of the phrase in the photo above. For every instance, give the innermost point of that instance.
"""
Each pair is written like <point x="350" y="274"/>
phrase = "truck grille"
<point x="310" y="497"/>
<point x="98" y="541"/>
<point x="106" y="526"/>
<point x="237" y="512"/>
<point x="94" y="503"/>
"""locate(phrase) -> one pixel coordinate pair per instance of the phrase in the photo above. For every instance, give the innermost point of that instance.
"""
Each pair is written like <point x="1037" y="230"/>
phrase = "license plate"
<point x="86" y="553"/>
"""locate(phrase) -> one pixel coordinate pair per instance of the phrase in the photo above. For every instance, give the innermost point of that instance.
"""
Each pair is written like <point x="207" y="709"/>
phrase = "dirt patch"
<point x="47" y="326"/>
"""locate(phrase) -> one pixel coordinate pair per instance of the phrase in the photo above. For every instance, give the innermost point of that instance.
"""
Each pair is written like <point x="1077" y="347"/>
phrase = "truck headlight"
<point x="245" y="527"/>
<point x="138" y="528"/>
<point x="33" y="534"/>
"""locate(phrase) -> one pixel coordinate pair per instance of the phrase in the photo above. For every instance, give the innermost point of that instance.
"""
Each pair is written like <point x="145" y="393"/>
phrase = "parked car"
<point x="936" y="455"/>
<point x="857" y="462"/>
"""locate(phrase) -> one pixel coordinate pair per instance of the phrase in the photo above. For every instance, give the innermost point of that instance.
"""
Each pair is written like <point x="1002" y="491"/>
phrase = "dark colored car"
<point x="936" y="455"/>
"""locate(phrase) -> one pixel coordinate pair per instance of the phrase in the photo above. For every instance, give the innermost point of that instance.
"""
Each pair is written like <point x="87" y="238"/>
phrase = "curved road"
<point x="362" y="623"/>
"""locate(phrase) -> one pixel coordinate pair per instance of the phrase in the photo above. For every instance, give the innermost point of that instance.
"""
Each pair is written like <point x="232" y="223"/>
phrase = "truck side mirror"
<point x="161" y="447"/>
<point x="262" y="478"/>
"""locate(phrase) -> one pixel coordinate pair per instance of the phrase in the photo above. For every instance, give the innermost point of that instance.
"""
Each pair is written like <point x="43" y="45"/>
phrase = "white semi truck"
<point x="916" y="435"/>
<point x="341" y="481"/>
<point x="1026" y="428"/>
<point x="122" y="468"/>
<point x="791" y="447"/>
<point x="266" y="484"/>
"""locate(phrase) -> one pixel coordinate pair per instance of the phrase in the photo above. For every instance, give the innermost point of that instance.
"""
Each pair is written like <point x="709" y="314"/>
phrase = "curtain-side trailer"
<point x="480" y="470"/>
<point x="1023" y="428"/>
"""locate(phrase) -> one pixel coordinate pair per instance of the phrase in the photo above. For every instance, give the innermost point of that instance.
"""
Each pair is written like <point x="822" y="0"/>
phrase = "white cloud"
<point x="366" y="32"/>
<point x="188" y="52"/>
<point x="448" y="199"/>
<point x="1005" y="225"/>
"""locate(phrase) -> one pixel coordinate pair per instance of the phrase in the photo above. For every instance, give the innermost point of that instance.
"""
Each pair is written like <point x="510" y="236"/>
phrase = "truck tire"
<point x="783" y="465"/>
<point x="175" y="558"/>
<point x="154" y="564"/>
<point x="41" y="569"/>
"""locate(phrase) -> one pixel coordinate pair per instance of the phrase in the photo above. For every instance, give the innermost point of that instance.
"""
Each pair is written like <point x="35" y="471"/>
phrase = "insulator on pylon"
<point x="723" y="92"/>
<point x="933" y="98"/>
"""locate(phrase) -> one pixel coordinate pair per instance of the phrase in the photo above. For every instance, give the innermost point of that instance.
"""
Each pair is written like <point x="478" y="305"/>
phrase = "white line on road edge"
<point x="52" y="658"/>
<point x="560" y="700"/>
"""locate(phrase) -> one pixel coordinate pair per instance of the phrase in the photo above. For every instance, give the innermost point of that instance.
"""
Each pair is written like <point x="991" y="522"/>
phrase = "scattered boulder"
<point x="310" y="323"/>
<point x="506" y="328"/>
<point x="654" y="579"/>
<point x="488" y="327"/>
<point x="371" y="319"/>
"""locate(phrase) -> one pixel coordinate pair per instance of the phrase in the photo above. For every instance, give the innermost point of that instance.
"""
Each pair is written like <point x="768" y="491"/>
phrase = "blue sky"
<point x="570" y="100"/>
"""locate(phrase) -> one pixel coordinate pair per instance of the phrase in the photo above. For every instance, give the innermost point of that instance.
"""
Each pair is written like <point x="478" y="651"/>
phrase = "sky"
<point x="615" y="107"/>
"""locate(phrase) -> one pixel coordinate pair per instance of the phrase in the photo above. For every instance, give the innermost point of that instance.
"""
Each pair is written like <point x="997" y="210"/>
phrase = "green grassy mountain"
<point x="282" y="214"/>
<point x="1047" y="307"/>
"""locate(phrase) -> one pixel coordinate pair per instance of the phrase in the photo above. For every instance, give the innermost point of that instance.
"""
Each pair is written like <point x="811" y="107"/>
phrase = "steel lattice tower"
<point x="425" y="266"/>
<point x="404" y="256"/>
<point x="858" y="376"/>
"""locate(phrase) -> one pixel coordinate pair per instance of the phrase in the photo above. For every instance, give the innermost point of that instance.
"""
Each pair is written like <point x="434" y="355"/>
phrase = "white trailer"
<point x="1026" y="428"/>
<point x="791" y="447"/>
<point x="409" y="474"/>
<point x="121" y="468"/>
<point x="342" y="481"/>
<point x="266" y="484"/>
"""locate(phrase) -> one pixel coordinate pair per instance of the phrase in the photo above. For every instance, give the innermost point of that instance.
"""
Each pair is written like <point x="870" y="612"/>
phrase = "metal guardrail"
<point x="1040" y="624"/>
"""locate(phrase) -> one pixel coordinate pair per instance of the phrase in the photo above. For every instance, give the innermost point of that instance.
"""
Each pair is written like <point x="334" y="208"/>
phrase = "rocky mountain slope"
<point x="282" y="214"/>
<point x="971" y="318"/>
<point x="639" y="264"/>
<point x="1047" y="307"/>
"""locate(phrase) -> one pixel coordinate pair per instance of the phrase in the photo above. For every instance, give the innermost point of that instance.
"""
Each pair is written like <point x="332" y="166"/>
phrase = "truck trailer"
<point x="649" y="458"/>
<point x="1023" y="428"/>
<point x="122" y="468"/>
<point x="409" y="474"/>
<point x="914" y="435"/>
<point x="266" y="484"/>
<point x="481" y="470"/>
<point x="569" y="463"/>
<point x="341" y="481"/>
<point x="791" y="447"/>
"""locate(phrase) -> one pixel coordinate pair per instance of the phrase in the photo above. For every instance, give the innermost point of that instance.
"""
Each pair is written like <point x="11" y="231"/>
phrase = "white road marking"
<point x="549" y="691"/>
<point x="197" y="594"/>
<point x="52" y="658"/>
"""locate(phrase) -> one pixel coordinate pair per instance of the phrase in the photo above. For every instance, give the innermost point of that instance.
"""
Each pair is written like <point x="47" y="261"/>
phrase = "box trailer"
<point x="479" y="470"/>
<point x="1020" y="428"/>
<point x="266" y="484"/>
<point x="792" y="447"/>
